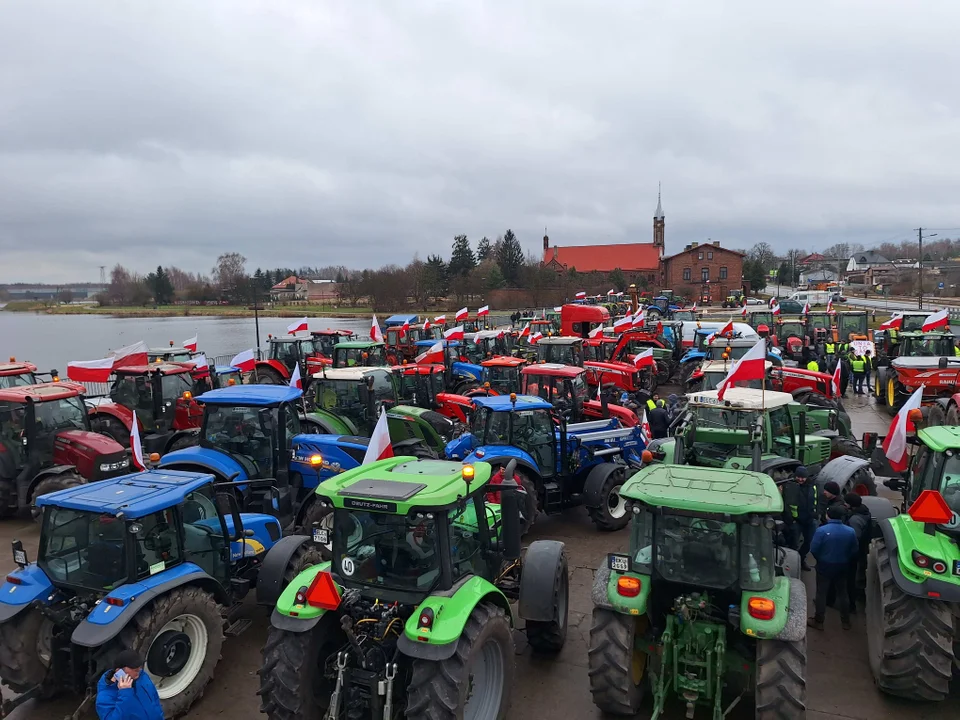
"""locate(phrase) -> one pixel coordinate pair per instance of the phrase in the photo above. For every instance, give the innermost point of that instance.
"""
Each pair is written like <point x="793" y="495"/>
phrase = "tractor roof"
<point x="134" y="495"/>
<point x="253" y="395"/>
<point x="401" y="319"/>
<point x="559" y="340"/>
<point x="716" y="366"/>
<point x="738" y="398"/>
<point x="397" y="484"/>
<point x="714" y="490"/>
<point x="41" y="392"/>
<point x="359" y="344"/>
<point x="504" y="361"/>
<point x="161" y="367"/>
<point x="421" y="369"/>
<point x="941" y="437"/>
<point x="328" y="331"/>
<point x="172" y="350"/>
<point x="553" y="370"/>
<point x="357" y="374"/>
<point x="290" y="338"/>
<point x="501" y="403"/>
<point x="17" y="368"/>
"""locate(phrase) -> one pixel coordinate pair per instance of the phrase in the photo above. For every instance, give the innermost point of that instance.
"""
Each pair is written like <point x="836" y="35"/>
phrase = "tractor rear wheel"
<point x="781" y="691"/>
<point x="548" y="636"/>
<point x="266" y="375"/>
<point x="840" y="446"/>
<point x="180" y="636"/>
<point x="936" y="416"/>
<point x="52" y="484"/>
<point x="953" y="415"/>
<point x="307" y="555"/>
<point x="183" y="442"/>
<point x="891" y="399"/>
<point x="476" y="681"/>
<point x="529" y="502"/>
<point x="111" y="427"/>
<point x="909" y="639"/>
<point x="611" y="514"/>
<point x="293" y="685"/>
<point x="26" y="650"/>
<point x="618" y="670"/>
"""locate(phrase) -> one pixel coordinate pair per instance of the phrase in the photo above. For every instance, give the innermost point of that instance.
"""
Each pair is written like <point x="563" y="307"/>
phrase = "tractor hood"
<point x="215" y="461"/>
<point x="920" y="363"/>
<point x="95" y="456"/>
<point x="464" y="369"/>
<point x="461" y="447"/>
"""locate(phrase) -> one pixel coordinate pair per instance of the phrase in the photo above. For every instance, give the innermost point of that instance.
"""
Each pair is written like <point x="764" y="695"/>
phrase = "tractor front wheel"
<point x="936" y="416"/>
<point x="52" y="484"/>
<point x="26" y="650"/>
<point x="953" y="415"/>
<point x="611" y="513"/>
<point x="781" y="691"/>
<point x="529" y="505"/>
<point x="266" y="375"/>
<point x="909" y="639"/>
<point x="476" y="681"/>
<point x="180" y="636"/>
<point x="617" y="670"/>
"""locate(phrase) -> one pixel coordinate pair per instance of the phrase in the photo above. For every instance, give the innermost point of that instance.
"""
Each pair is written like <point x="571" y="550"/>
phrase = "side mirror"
<point x="227" y="505"/>
<point x="942" y="363"/>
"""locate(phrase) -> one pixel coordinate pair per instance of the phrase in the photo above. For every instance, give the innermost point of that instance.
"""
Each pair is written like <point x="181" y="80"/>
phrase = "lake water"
<point x="50" y="341"/>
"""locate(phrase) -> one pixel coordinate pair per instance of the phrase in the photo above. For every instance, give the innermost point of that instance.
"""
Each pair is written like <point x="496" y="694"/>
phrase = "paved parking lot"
<point x="838" y="677"/>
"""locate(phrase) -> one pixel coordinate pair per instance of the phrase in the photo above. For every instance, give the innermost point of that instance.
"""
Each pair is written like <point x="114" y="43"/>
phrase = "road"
<point x="838" y="677"/>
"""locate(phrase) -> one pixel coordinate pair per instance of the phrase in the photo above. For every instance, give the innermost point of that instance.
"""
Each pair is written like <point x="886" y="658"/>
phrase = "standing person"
<point x="858" y="517"/>
<point x="831" y="497"/>
<point x="868" y="369"/>
<point x="125" y="692"/>
<point x="800" y="512"/>
<point x="834" y="546"/>
<point x="813" y="365"/>
<point x="844" y="374"/>
<point x="859" y="366"/>
<point x="659" y="420"/>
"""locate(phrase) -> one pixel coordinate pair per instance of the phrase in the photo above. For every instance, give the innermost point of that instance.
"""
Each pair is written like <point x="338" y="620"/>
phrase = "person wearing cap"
<point x="831" y="497"/>
<point x="800" y="512"/>
<point x="834" y="546"/>
<point x="126" y="692"/>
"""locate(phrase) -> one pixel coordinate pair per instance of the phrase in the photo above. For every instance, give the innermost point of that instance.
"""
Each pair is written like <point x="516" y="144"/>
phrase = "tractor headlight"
<point x="119" y="465"/>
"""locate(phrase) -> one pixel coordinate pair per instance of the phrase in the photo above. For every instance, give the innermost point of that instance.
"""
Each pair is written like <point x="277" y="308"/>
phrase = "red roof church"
<point x="629" y="257"/>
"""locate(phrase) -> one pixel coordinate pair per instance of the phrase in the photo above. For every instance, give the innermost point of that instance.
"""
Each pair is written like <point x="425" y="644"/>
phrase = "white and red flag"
<point x="644" y="359"/>
<point x="136" y="447"/>
<point x="485" y="310"/>
<point x="895" y="444"/>
<point x="295" y="327"/>
<point x="295" y="381"/>
<point x="190" y="344"/>
<point x="694" y="307"/>
<point x="426" y="325"/>
<point x="645" y="428"/>
<point x="441" y="319"/>
<point x="750" y="367"/>
<point x="936" y="320"/>
<point x="836" y="379"/>
<point x="596" y="332"/>
<point x="775" y="308"/>
<point x="135" y="354"/>
<point x="526" y="331"/>
<point x="623" y="324"/>
<point x="462" y="314"/>
<point x="725" y="330"/>
<point x="610" y="292"/>
<point x="806" y="309"/>
<point x="433" y="354"/>
<point x="405" y="328"/>
<point x="743" y="311"/>
<point x="454" y="333"/>
<point x="536" y="336"/>
<point x="580" y="295"/>
<point x="379" y="447"/>
<point x="90" y="370"/>
<point x="244" y="361"/>
<point x="639" y="320"/>
<point x="200" y="362"/>
<point x="830" y="310"/>
<point x="375" y="333"/>
<point x="894" y="323"/>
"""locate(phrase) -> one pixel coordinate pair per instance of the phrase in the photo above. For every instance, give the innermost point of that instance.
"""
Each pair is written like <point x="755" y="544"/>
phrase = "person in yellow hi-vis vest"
<point x="859" y="367"/>
<point x="813" y="365"/>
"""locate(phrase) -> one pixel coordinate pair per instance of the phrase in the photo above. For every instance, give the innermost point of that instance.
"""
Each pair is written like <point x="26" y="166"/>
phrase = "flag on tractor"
<point x="462" y="314"/>
<point x="190" y="344"/>
<point x="775" y="308"/>
<point x="580" y="295"/>
<point x="895" y="444"/>
<point x="454" y="333"/>
<point x="610" y="292"/>
<point x="535" y="337"/>
<point x="404" y="329"/>
<point x="244" y="361"/>
<point x="440" y="319"/>
<point x="485" y="310"/>
<point x="693" y="308"/>
<point x="644" y="359"/>
<point x="135" y="446"/>
<point x="375" y="334"/>
<point x="90" y="370"/>
<point x="639" y="320"/>
<point x="379" y="447"/>
<point x="623" y="324"/>
<point x="426" y="325"/>
<point x="295" y="327"/>
<point x="596" y="332"/>
<point x="433" y="354"/>
<point x="894" y="323"/>
<point x="295" y="381"/>
<point x="836" y="379"/>
<point x="743" y="311"/>
<point x="526" y="331"/>
<point x="726" y="330"/>
<point x="750" y="367"/>
<point x="936" y="320"/>
<point x="806" y="309"/>
<point x="830" y="310"/>
<point x="135" y="354"/>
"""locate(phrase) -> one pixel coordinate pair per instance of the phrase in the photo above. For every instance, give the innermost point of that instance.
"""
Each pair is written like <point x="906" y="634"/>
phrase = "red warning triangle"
<point x="323" y="592"/>
<point x="930" y="507"/>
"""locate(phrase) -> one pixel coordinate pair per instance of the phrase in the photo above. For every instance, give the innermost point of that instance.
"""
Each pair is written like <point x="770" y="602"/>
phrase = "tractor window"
<point x="292" y="421"/>
<point x="12" y="417"/>
<point x="157" y="543"/>
<point x="174" y="386"/>
<point x="924" y="471"/>
<point x="950" y="480"/>
<point x="503" y="379"/>
<point x="696" y="551"/>
<point x="203" y="532"/>
<point x="136" y="393"/>
<point x="323" y="344"/>
<point x="287" y="353"/>
<point x="11" y="381"/>
<point x="63" y="414"/>
<point x="83" y="549"/>
<point x="856" y="324"/>
<point x="247" y="433"/>
<point x="465" y="547"/>
<point x="927" y="346"/>
<point x="641" y="541"/>
<point x="492" y="428"/>
<point x="780" y="423"/>
<point x="383" y="388"/>
<point x="756" y="557"/>
<point x="391" y="551"/>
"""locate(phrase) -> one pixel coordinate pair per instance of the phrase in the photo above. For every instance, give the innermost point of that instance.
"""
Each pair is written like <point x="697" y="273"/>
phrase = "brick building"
<point x="705" y="271"/>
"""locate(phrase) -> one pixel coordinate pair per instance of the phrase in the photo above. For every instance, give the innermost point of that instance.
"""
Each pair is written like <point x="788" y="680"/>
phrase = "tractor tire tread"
<point x="781" y="691"/>
<point x="610" y="654"/>
<point x="51" y="484"/>
<point x="286" y="682"/>
<point x="601" y="516"/>
<point x="20" y="665"/>
<point x="549" y="636"/>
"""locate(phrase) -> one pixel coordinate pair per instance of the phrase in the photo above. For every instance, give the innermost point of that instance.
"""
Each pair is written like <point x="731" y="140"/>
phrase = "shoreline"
<point x="229" y="311"/>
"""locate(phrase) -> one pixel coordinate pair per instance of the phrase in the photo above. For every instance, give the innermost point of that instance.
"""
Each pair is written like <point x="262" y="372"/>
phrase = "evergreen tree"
<point x="510" y="257"/>
<point x="435" y="277"/>
<point x="462" y="260"/>
<point x="617" y="279"/>
<point x="159" y="284"/>
<point x="483" y="249"/>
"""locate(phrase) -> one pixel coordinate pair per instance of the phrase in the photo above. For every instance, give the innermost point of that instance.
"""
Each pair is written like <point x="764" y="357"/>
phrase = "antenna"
<point x="103" y="275"/>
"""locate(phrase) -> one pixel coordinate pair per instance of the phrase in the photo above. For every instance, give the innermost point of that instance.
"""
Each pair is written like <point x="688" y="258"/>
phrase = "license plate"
<point x="20" y="557"/>
<point x="321" y="536"/>
<point x="618" y="563"/>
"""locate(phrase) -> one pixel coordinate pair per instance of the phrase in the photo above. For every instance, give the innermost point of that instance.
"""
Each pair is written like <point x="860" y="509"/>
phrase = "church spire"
<point x="659" y="214"/>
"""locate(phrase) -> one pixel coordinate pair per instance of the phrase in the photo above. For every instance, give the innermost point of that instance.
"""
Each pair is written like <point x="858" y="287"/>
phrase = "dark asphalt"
<point x="838" y="677"/>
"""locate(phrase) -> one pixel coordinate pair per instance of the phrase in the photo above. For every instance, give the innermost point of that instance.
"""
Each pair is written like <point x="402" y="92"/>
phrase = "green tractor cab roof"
<point x="714" y="490"/>
<point x="941" y="438"/>
<point x="397" y="484"/>
<point x="738" y="398"/>
<point x="359" y="344"/>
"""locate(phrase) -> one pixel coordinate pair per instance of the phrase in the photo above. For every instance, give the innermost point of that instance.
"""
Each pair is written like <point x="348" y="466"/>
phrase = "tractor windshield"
<point x="11" y="381"/>
<point x="371" y="356"/>
<point x="530" y="428"/>
<point x="789" y="329"/>
<point x="245" y="432"/>
<point x="83" y="549"/>
<point x="347" y="398"/>
<point x="388" y="551"/>
<point x="174" y="386"/>
<point x="564" y="393"/>
<point x="851" y="325"/>
<point x="62" y="414"/>
<point x="697" y="551"/>
<point x="503" y="379"/>
<point x="926" y="346"/>
<point x="287" y="352"/>
<point x="420" y="389"/>
<point x="563" y="354"/>
<point x="912" y="322"/>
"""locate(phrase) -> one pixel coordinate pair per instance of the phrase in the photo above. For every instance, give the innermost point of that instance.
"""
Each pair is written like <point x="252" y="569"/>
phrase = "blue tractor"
<point x="558" y="465"/>
<point x="461" y="375"/>
<point x="157" y="562"/>
<point x="733" y="348"/>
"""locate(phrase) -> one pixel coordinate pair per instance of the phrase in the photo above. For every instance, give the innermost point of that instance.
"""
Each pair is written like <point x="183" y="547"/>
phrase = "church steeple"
<point x="659" y="225"/>
<point x="659" y="214"/>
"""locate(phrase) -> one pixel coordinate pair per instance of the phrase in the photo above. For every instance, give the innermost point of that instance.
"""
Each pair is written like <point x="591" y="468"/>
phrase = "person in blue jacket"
<point x="126" y="692"/>
<point x="834" y="546"/>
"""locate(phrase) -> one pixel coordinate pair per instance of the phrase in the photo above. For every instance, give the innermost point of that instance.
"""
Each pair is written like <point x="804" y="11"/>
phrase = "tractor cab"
<point x="349" y="400"/>
<point x="818" y="326"/>
<point x="359" y="353"/>
<point x="790" y="334"/>
<point x="599" y="349"/>
<point x="484" y="345"/>
<point x="579" y="320"/>
<point x="170" y="354"/>
<point x="709" y="376"/>
<point x="291" y="352"/>
<point x="686" y="315"/>
<point x="520" y="421"/>
<point x="760" y="317"/>
<point x="563" y="386"/>
<point x="399" y="338"/>
<point x="852" y="325"/>
<point x="936" y="466"/>
<point x="325" y="340"/>
<point x="16" y="374"/>
<point x="501" y="375"/>
<point x="928" y="344"/>
<point x="561" y="350"/>
<point x="161" y="394"/>
<point x="912" y="321"/>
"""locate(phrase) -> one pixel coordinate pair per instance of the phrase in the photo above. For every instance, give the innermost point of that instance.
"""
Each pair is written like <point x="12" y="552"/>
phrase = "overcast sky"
<point x="359" y="132"/>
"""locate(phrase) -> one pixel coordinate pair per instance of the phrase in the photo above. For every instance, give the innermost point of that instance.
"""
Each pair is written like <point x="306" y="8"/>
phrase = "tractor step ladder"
<point x="552" y="498"/>
<point x="237" y="627"/>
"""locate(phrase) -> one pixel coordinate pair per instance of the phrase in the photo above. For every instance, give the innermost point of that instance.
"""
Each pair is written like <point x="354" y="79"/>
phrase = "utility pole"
<point x="920" y="266"/>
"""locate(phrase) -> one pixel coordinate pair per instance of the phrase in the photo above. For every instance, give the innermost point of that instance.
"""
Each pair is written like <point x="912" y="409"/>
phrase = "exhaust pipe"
<point x="510" y="512"/>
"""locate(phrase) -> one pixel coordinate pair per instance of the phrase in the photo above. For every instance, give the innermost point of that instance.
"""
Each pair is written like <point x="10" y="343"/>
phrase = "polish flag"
<point x="639" y="320"/>
<point x="526" y="331"/>
<point x="135" y="354"/>
<point x="645" y="428"/>
<point x="536" y="336"/>
<point x="743" y="311"/>
<point x="379" y="447"/>
<point x="294" y="328"/>
<point x="725" y="330"/>
<point x="750" y="367"/>
<point x="244" y="361"/>
<point x="375" y="333"/>
<point x="485" y="310"/>
<point x="623" y="324"/>
<point x="90" y="370"/>
<point x="836" y="379"/>
<point x="936" y="320"/>
<point x="404" y="329"/>
<point x="200" y="363"/>
<point x="440" y="319"/>
<point x="644" y="359"/>
<point x="775" y="308"/>
<point x="295" y="381"/>
<point x="557" y="308"/>
<point x="895" y="321"/>
<point x="610" y="292"/>
<point x="895" y="444"/>
<point x="462" y="314"/>
<point x="426" y="325"/>
<point x="135" y="446"/>
<point x="454" y="333"/>
<point x="830" y="310"/>
<point x="694" y="308"/>
<point x="806" y="309"/>
<point x="190" y="344"/>
<point x="596" y="332"/>
<point x="580" y="295"/>
<point x="433" y="354"/>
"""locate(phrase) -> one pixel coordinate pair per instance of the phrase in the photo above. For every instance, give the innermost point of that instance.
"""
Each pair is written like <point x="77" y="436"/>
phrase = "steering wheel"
<point x="154" y="537"/>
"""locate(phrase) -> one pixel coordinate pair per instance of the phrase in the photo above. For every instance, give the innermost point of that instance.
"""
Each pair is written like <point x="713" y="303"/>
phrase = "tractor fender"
<point x="537" y="579"/>
<point x="270" y="578"/>
<point x="880" y="509"/>
<point x="795" y="628"/>
<point x="191" y="433"/>
<point x="943" y="402"/>
<point x="954" y="400"/>
<point x="219" y="464"/>
<point x="106" y="621"/>
<point x="451" y="610"/>
<point x="276" y="365"/>
<point x="788" y="560"/>
<point x="594" y="483"/>
<point x="34" y="586"/>
<point x="598" y="593"/>
<point x="778" y="463"/>
<point x="304" y="617"/>
<point x="930" y="587"/>
<point x="460" y="447"/>
<point x="840" y="470"/>
<point x="118" y="412"/>
<point x="45" y="473"/>
<point x="507" y="454"/>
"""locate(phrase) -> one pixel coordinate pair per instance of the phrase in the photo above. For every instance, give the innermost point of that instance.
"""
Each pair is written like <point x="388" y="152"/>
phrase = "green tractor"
<point x="913" y="575"/>
<point x="364" y="353"/>
<point x="412" y="616"/>
<point x="705" y="608"/>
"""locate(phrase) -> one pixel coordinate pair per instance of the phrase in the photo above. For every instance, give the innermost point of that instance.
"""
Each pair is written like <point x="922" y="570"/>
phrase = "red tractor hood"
<point x="87" y="451"/>
<point x="100" y="444"/>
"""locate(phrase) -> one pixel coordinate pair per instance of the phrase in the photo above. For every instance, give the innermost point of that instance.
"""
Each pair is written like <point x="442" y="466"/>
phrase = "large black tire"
<point x="936" y="416"/>
<point x="953" y="415"/>
<point x="612" y="513"/>
<point x="184" y="441"/>
<point x="25" y="652"/>
<point x="52" y="484"/>
<point x="548" y="636"/>
<point x="147" y="635"/>
<point x="781" y="691"/>
<point x="111" y="427"/>
<point x="316" y="513"/>
<point x="265" y="375"/>
<point x="909" y="639"/>
<point x="307" y="555"/>
<point x="440" y="690"/>
<point x="891" y="395"/>
<point x="529" y="501"/>
<point x="840" y="446"/>
<point x="292" y="682"/>
<point x="618" y="674"/>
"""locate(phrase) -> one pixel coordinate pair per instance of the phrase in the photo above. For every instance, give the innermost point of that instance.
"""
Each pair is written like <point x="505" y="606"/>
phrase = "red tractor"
<point x="570" y="351"/>
<point x="286" y="353"/>
<point x="565" y="387"/>
<point x="927" y="359"/>
<point x="16" y="374"/>
<point x="422" y="385"/>
<point x="578" y="320"/>
<point x="46" y="444"/>
<point x="159" y="397"/>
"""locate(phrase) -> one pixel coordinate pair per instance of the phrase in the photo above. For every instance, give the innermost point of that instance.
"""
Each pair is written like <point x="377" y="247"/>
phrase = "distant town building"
<point x="705" y="271"/>
<point x="300" y="290"/>
<point x="817" y="277"/>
